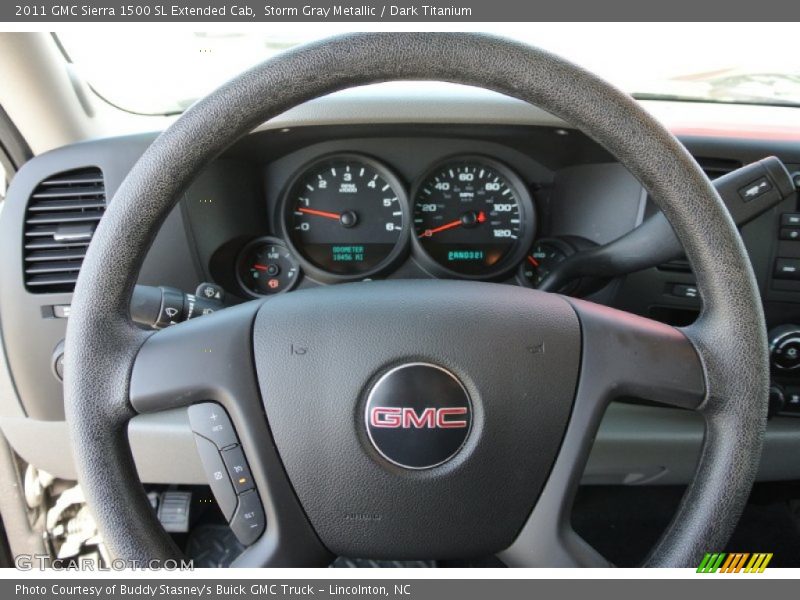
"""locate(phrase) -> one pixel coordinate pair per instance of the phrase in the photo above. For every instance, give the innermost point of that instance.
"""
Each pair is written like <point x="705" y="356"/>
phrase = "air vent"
<point x="717" y="167"/>
<point x="676" y="266"/>
<point x="713" y="168"/>
<point x="62" y="214"/>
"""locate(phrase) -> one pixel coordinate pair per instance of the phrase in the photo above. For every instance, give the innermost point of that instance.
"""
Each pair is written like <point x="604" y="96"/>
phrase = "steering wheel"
<point x="416" y="419"/>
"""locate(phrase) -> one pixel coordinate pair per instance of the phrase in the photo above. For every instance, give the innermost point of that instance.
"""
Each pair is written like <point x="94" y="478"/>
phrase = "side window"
<point x="3" y="183"/>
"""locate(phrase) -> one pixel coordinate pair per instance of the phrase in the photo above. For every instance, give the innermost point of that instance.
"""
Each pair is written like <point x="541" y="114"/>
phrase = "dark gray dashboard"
<point x="577" y="190"/>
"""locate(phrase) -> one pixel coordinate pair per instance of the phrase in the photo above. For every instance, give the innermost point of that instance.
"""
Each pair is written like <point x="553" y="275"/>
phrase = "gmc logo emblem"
<point x="391" y="417"/>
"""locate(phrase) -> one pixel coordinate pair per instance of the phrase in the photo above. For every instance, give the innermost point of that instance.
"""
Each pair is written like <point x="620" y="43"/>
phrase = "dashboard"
<point x="399" y="202"/>
<point x="309" y="202"/>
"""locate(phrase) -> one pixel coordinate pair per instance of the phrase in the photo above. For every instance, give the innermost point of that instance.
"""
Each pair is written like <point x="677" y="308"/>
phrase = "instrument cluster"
<point x="347" y="217"/>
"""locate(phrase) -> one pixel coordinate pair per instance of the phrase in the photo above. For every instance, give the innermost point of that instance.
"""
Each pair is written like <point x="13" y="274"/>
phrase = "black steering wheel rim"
<point x="729" y="337"/>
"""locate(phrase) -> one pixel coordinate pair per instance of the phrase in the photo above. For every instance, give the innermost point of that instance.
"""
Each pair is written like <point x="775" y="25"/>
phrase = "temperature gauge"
<point x="267" y="267"/>
<point x="545" y="254"/>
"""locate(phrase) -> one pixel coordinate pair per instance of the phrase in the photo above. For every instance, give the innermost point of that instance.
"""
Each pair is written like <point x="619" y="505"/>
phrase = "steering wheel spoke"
<point x="205" y="359"/>
<point x="623" y="355"/>
<point x="207" y="365"/>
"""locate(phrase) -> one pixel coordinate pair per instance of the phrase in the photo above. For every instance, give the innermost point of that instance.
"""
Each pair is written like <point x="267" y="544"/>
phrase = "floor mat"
<point x="363" y="563"/>
<point x="212" y="546"/>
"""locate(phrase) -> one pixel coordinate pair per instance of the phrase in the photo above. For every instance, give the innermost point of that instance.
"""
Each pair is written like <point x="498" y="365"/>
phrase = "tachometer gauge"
<point x="346" y="217"/>
<point x="473" y="218"/>
<point x="266" y="267"/>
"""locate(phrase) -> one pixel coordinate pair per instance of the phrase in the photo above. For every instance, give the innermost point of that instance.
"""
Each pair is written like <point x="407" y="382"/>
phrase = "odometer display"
<point x="345" y="216"/>
<point x="472" y="218"/>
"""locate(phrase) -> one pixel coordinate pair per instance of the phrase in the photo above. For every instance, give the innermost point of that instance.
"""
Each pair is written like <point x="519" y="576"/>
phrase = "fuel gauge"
<point x="266" y="267"/>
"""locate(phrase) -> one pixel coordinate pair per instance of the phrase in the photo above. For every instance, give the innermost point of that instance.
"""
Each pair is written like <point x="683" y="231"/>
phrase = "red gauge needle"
<point x="469" y="219"/>
<point x="260" y="267"/>
<point x="533" y="261"/>
<point x="450" y="225"/>
<point x="319" y="213"/>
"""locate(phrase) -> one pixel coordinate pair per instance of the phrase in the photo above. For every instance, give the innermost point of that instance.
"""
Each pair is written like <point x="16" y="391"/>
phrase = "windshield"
<point x="169" y="69"/>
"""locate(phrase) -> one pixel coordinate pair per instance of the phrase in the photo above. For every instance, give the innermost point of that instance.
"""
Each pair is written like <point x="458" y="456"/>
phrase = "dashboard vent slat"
<point x="71" y="253"/>
<point x="60" y="219"/>
<point x="60" y="204"/>
<point x="49" y="218"/>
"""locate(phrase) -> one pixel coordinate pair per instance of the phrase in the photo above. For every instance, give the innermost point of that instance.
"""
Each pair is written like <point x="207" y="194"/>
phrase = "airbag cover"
<point x="318" y="354"/>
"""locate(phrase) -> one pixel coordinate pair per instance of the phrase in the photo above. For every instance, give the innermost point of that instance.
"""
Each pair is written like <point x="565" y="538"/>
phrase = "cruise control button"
<point x="217" y="475"/>
<point x="212" y="422"/>
<point x="248" y="522"/>
<point x="237" y="469"/>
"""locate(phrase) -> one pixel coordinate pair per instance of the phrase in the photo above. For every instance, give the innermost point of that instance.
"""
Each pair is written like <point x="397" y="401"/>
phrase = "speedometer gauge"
<point x="345" y="217"/>
<point x="473" y="218"/>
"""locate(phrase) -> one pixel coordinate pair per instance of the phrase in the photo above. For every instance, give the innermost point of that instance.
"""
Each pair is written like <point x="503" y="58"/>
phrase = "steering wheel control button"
<point x="248" y="523"/>
<point x="418" y="416"/>
<point x="212" y="422"/>
<point x="238" y="470"/>
<point x="217" y="474"/>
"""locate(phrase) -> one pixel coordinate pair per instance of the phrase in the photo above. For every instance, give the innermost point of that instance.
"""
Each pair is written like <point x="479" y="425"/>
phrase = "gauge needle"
<point x="450" y="225"/>
<point x="479" y="218"/>
<point x="260" y="267"/>
<point x="533" y="261"/>
<point x="319" y="213"/>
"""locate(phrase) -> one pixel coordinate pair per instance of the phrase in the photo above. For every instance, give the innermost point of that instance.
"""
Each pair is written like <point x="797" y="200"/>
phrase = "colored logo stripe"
<point x="734" y="562"/>
<point x="723" y="562"/>
<point x="711" y="562"/>
<point x="758" y="563"/>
